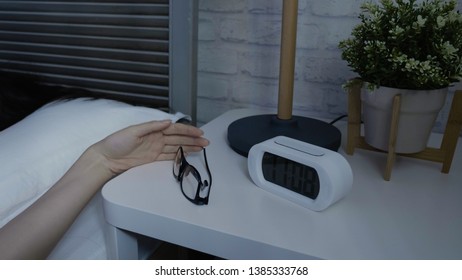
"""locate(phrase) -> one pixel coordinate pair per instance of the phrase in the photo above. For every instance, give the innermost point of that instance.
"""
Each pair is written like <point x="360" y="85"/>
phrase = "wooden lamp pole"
<point x="287" y="59"/>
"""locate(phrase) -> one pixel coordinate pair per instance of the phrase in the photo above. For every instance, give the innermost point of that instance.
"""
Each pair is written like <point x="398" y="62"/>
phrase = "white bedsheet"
<point x="85" y="239"/>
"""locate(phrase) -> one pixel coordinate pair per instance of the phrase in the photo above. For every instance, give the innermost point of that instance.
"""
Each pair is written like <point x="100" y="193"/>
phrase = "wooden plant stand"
<point x="444" y="154"/>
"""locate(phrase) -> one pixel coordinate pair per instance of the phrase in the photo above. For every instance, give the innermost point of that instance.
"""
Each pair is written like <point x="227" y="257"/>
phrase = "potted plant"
<point x="409" y="48"/>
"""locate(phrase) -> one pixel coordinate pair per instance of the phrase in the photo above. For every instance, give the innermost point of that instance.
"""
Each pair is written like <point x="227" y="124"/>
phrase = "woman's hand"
<point x="148" y="142"/>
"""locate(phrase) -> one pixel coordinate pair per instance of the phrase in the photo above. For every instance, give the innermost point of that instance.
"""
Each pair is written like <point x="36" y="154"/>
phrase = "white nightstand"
<point x="416" y="215"/>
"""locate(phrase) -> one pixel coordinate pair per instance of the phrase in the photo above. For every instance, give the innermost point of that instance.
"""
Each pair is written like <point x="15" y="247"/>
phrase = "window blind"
<point x="116" y="47"/>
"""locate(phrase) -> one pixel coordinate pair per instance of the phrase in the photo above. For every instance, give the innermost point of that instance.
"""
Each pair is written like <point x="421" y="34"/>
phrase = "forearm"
<point x="35" y="232"/>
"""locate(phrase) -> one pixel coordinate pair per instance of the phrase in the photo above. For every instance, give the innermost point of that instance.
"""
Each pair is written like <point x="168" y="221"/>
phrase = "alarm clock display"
<point x="290" y="174"/>
<point x="309" y="175"/>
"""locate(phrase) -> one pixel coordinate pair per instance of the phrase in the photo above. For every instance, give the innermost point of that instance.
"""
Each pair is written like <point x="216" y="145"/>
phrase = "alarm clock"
<point x="308" y="175"/>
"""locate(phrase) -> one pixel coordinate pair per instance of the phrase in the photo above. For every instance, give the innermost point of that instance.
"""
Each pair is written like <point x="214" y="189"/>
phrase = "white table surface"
<point x="416" y="215"/>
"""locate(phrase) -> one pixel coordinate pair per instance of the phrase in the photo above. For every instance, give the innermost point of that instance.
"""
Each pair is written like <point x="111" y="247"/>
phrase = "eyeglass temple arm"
<point x="208" y="170"/>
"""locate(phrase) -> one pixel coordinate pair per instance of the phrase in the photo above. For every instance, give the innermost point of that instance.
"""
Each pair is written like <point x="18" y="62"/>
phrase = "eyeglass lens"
<point x="177" y="163"/>
<point x="191" y="183"/>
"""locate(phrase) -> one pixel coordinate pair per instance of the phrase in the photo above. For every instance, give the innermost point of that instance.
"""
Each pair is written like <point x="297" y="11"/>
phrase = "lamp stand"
<point x="246" y="132"/>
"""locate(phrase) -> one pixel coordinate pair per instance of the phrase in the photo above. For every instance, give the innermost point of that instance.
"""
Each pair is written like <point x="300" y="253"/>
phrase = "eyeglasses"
<point x="192" y="186"/>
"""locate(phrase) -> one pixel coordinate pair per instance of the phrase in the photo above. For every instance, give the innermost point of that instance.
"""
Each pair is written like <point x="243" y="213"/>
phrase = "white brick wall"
<point x="238" y="56"/>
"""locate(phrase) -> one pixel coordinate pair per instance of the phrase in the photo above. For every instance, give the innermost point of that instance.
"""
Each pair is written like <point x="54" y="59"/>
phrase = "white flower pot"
<point x="418" y="112"/>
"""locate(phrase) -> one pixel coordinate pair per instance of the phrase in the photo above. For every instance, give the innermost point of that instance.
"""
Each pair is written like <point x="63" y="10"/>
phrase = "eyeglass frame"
<point x="198" y="200"/>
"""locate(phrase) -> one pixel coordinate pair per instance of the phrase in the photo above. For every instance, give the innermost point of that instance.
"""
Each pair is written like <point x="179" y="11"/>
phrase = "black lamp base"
<point x="246" y="132"/>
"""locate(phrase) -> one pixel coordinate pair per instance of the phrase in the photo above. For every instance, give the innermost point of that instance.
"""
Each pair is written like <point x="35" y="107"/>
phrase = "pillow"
<point x="37" y="151"/>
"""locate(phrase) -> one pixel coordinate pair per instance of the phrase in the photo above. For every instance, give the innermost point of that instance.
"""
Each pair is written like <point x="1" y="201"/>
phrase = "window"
<point x="116" y="47"/>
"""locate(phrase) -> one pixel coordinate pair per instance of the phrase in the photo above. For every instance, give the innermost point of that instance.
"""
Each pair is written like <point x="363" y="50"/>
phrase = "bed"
<point x="36" y="151"/>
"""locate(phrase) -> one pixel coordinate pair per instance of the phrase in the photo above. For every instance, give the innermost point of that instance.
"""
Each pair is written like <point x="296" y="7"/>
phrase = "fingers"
<point x="185" y="141"/>
<point x="172" y="149"/>
<point x="183" y="129"/>
<point x="168" y="128"/>
<point x="184" y="135"/>
<point x="150" y="127"/>
<point x="173" y="136"/>
<point x="169" y="152"/>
